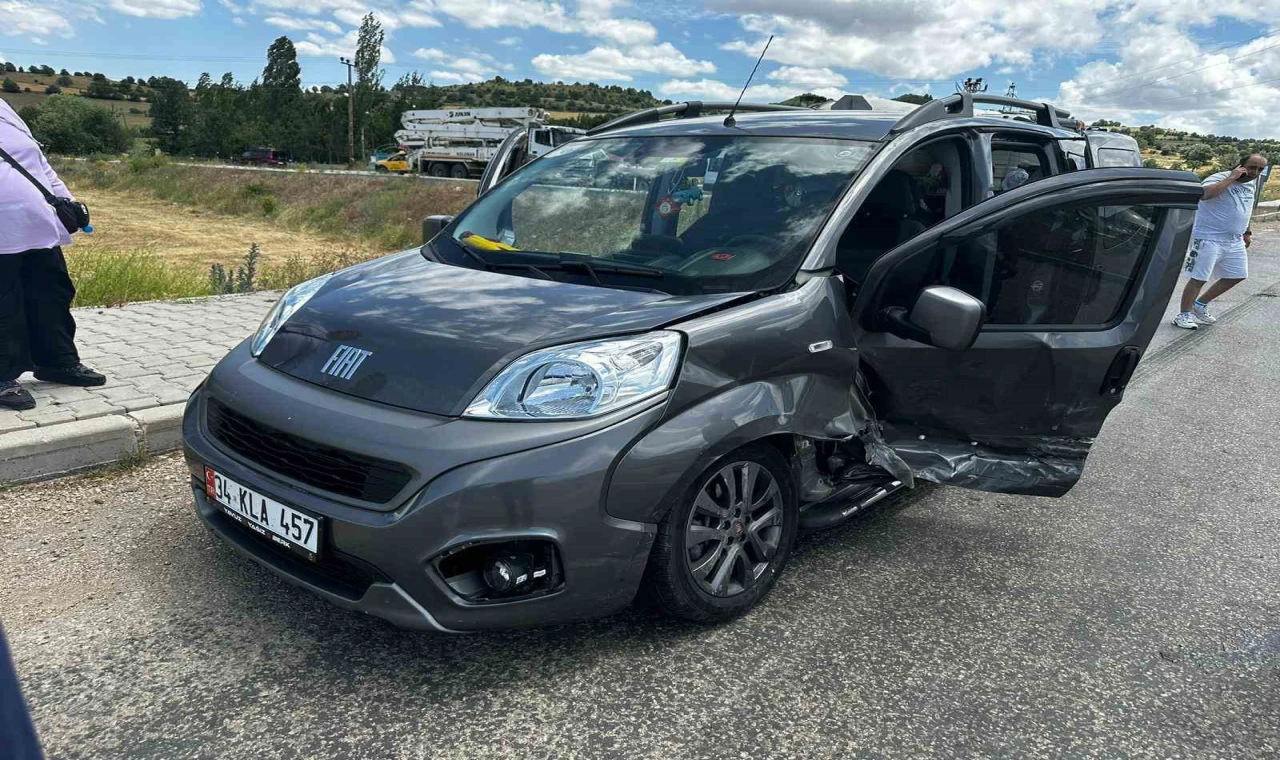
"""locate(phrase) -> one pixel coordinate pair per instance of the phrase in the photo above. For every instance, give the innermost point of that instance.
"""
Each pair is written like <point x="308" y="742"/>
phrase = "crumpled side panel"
<point x="1049" y="470"/>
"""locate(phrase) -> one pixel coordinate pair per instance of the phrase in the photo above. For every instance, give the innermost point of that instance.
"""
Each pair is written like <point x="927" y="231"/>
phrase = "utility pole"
<point x="351" y="113"/>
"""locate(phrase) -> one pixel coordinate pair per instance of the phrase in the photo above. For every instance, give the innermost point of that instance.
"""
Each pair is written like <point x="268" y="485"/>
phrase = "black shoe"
<point x="14" y="396"/>
<point x="78" y="375"/>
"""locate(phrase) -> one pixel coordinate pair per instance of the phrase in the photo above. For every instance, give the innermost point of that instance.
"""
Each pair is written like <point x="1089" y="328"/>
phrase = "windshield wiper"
<point x="639" y="270"/>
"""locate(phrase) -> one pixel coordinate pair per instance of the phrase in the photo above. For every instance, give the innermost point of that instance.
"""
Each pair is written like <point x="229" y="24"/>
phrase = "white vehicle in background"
<point x="458" y="142"/>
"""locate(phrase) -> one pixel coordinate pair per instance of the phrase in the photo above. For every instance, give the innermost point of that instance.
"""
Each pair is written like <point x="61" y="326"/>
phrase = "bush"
<point x="242" y="279"/>
<point x="64" y="80"/>
<point x="145" y="162"/>
<point x="269" y="205"/>
<point x="10" y="86"/>
<point x="75" y="126"/>
<point x="52" y="89"/>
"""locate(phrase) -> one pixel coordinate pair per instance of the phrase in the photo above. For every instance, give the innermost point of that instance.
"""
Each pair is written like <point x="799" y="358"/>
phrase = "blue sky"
<point x="1183" y="63"/>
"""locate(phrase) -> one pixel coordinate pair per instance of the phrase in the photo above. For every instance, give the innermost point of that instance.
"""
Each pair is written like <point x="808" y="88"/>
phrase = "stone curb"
<point x="67" y="448"/>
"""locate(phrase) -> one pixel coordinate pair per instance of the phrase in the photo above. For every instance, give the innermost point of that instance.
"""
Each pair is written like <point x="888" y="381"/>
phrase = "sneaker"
<point x="14" y="396"/>
<point x="1186" y="321"/>
<point x="78" y="375"/>
<point x="1202" y="315"/>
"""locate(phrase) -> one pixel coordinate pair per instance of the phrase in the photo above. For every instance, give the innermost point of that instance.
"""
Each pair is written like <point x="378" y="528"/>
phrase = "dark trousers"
<point x="36" y="327"/>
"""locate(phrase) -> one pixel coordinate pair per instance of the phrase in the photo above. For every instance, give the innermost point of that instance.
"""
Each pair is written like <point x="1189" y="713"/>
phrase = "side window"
<point x="1014" y="165"/>
<point x="1064" y="266"/>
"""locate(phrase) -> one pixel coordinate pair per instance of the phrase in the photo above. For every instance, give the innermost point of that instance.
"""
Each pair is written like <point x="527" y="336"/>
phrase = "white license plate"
<point x="282" y="524"/>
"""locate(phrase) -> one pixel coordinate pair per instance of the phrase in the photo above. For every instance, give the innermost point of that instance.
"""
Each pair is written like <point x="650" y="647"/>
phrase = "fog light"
<point x="502" y="571"/>
<point x="506" y="573"/>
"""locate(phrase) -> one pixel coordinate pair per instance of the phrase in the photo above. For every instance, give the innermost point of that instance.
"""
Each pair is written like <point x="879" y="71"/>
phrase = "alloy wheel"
<point x="734" y="529"/>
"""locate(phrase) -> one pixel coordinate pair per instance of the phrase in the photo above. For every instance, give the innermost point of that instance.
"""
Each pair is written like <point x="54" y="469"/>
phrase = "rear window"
<point x="1112" y="157"/>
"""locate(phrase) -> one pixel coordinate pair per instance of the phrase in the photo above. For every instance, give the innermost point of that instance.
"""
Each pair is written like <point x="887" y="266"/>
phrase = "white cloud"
<point x="510" y="41"/>
<point x="464" y="66"/>
<point x="609" y="63"/>
<point x="809" y="77"/>
<point x="592" y="19"/>
<point x="236" y="9"/>
<point x="301" y="24"/>
<point x="39" y="41"/>
<point x="711" y="89"/>
<point x="237" y="21"/>
<point x="23" y="18"/>
<point x="1163" y="77"/>
<point x="320" y="45"/>
<point x="161" y="9"/>
<point x="924" y="38"/>
<point x="430" y="54"/>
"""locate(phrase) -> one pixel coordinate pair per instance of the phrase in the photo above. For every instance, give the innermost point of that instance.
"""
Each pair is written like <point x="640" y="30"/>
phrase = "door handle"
<point x="1121" y="370"/>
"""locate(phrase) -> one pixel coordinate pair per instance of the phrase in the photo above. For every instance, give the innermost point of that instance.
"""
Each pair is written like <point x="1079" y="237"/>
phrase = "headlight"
<point x="581" y="380"/>
<point x="286" y="307"/>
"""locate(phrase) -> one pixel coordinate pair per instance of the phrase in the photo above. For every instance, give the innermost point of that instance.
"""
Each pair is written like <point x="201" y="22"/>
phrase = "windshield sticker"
<point x="668" y="206"/>
<point x="721" y="256"/>
<point x="847" y="154"/>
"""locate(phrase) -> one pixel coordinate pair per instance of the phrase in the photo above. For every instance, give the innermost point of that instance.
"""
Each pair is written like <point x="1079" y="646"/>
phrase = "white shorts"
<point x="1213" y="259"/>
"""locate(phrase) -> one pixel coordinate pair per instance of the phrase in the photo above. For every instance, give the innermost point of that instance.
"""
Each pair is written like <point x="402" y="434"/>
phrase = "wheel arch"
<point x="652" y="475"/>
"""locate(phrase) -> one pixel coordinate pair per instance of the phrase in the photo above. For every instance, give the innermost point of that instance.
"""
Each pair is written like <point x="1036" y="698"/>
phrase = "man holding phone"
<point x="1220" y="239"/>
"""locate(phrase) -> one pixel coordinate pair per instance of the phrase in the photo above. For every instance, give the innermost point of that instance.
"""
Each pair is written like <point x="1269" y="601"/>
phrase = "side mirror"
<point x="943" y="316"/>
<point x="432" y="225"/>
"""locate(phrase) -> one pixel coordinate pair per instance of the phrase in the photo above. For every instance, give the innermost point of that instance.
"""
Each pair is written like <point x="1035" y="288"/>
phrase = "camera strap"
<point x="48" y="196"/>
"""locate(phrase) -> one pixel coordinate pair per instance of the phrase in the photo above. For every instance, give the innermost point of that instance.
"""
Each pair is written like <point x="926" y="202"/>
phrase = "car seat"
<point x="886" y="219"/>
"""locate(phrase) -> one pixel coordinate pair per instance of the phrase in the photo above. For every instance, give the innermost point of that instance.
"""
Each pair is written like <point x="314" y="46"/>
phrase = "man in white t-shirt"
<point x="1219" y="240"/>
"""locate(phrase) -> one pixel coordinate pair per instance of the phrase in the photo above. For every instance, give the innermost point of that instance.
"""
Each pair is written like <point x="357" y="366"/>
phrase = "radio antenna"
<point x="728" y="120"/>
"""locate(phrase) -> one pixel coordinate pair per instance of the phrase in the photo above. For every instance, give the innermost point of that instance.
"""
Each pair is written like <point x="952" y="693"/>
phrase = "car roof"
<point x="841" y="124"/>
<point x="847" y="125"/>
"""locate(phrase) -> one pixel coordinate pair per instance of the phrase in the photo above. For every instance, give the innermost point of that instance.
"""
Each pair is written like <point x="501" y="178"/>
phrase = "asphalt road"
<point x="1139" y="616"/>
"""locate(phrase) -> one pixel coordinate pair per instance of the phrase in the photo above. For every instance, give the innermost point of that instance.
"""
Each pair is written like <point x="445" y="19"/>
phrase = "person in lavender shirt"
<point x="37" y="331"/>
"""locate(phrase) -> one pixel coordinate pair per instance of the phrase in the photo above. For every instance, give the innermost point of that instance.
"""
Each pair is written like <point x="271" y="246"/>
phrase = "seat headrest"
<point x="893" y="196"/>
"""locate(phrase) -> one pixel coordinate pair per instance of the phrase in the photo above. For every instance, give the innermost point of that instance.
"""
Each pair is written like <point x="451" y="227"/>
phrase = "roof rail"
<point x="686" y="110"/>
<point x="961" y="104"/>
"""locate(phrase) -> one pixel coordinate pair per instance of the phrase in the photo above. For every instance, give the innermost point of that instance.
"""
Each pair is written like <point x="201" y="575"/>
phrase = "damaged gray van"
<point x="640" y="364"/>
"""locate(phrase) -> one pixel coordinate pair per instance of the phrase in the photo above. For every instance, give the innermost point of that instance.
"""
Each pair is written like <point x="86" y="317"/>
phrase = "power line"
<point x="1105" y="93"/>
<point x="1212" y="92"/>
<point x="1192" y="58"/>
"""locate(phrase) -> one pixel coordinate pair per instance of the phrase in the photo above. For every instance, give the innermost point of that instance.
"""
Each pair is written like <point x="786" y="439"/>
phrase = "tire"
<point x="439" y="170"/>
<point x="381" y="169"/>
<point x="704" y="572"/>
<point x="458" y="171"/>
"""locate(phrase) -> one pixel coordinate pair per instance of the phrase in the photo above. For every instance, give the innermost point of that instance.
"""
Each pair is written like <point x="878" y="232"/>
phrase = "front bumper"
<point x="380" y="561"/>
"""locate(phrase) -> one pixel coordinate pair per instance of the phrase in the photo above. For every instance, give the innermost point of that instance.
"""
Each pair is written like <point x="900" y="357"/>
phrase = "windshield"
<point x="694" y="214"/>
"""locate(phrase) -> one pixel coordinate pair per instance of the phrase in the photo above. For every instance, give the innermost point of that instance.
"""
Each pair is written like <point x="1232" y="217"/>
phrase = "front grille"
<point x="325" y="467"/>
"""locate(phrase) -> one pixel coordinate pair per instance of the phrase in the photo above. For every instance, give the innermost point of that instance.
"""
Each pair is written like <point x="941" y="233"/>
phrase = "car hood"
<point x="436" y="334"/>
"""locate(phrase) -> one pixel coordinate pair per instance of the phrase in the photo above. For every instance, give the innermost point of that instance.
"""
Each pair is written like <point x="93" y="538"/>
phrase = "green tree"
<point x="52" y="89"/>
<point x="65" y="81"/>
<point x="10" y="68"/>
<point x="369" y="74"/>
<point x="279" y="93"/>
<point x="170" y="113"/>
<point x="101" y="88"/>
<point x="914" y="99"/>
<point x="1198" y="154"/>
<point x="10" y="86"/>
<point x="76" y="126"/>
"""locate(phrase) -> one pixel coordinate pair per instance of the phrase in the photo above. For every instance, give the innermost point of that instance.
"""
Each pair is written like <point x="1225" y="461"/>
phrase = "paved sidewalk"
<point x="153" y="355"/>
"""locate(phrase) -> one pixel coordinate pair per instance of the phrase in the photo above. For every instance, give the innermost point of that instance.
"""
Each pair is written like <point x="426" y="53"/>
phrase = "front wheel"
<point x="458" y="171"/>
<point x="722" y="546"/>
